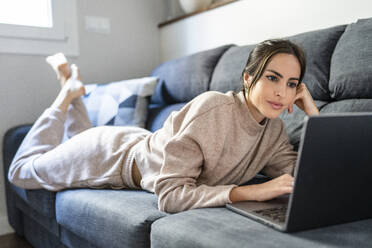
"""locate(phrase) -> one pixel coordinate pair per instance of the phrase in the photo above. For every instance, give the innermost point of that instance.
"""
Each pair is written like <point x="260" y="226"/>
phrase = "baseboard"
<point x="5" y="228"/>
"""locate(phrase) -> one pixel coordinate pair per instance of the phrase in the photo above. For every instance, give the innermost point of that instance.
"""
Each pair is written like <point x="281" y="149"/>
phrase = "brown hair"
<point x="262" y="54"/>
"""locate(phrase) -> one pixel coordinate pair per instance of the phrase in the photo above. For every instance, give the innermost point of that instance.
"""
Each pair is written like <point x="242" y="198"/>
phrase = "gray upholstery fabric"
<point x="41" y="200"/>
<point x="37" y="235"/>
<point x="220" y="227"/>
<point x="158" y="115"/>
<point x="48" y="223"/>
<point x="181" y="80"/>
<point x="294" y="122"/>
<point x="318" y="46"/>
<point x="108" y="218"/>
<point x="69" y="239"/>
<point x="14" y="214"/>
<point x="228" y="71"/>
<point x="348" y="105"/>
<point x="351" y="66"/>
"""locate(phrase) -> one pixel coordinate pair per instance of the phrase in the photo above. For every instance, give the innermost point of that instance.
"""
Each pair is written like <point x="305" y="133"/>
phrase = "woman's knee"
<point x="14" y="173"/>
<point x="20" y="174"/>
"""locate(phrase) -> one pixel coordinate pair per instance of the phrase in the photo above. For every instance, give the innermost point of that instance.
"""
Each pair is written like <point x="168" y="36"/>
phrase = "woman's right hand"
<point x="264" y="191"/>
<point x="304" y="101"/>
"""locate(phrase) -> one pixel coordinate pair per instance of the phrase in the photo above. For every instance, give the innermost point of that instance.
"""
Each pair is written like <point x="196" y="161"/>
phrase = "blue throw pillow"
<point x="122" y="103"/>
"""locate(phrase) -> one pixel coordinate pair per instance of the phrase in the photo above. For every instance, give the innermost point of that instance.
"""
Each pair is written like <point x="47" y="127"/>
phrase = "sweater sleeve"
<point x="283" y="160"/>
<point x="176" y="185"/>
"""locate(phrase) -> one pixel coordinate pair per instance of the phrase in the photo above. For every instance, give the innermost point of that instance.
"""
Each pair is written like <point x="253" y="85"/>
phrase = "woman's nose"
<point x="281" y="90"/>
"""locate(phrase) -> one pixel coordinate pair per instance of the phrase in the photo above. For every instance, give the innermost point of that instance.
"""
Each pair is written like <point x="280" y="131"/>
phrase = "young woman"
<point x="200" y="156"/>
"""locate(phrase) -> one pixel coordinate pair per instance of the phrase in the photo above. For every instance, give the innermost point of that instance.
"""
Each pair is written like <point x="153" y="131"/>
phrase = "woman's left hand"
<point x="304" y="101"/>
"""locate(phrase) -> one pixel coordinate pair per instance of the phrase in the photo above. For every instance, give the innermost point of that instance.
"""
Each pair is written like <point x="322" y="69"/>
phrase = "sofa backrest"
<point x="227" y="74"/>
<point x="318" y="46"/>
<point x="181" y="80"/>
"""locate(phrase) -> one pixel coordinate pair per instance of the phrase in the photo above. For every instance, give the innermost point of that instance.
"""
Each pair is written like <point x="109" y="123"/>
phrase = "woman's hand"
<point x="304" y="101"/>
<point x="264" y="191"/>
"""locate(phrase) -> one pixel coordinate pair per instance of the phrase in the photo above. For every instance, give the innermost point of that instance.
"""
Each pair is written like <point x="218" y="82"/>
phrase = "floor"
<point x="13" y="241"/>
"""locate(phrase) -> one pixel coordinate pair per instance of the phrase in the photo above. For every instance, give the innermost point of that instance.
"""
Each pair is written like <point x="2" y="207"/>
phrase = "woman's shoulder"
<point x="210" y="102"/>
<point x="212" y="99"/>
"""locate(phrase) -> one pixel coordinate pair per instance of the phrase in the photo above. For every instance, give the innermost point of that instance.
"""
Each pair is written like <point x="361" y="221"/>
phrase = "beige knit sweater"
<point x="209" y="147"/>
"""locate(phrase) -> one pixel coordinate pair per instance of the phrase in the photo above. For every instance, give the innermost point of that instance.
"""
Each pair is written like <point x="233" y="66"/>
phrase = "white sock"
<point x="74" y="81"/>
<point x="56" y="60"/>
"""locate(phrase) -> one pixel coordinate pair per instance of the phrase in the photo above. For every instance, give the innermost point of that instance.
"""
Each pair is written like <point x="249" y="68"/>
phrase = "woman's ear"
<point x="247" y="78"/>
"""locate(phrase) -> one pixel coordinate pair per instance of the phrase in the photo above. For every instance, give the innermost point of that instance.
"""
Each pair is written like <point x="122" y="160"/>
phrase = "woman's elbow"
<point x="170" y="198"/>
<point x="169" y="204"/>
<point x="166" y="206"/>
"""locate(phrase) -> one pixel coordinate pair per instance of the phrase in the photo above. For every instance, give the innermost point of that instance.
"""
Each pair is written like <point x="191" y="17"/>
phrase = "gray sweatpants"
<point x="99" y="157"/>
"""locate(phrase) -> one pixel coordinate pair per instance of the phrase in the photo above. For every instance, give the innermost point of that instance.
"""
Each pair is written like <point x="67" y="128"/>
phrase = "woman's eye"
<point x="292" y="85"/>
<point x="272" y="78"/>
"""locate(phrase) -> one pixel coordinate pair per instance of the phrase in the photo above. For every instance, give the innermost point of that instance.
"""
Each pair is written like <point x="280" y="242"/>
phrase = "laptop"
<point x="333" y="177"/>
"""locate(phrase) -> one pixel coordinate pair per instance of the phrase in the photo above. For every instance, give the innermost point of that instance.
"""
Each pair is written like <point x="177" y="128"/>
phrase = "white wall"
<point x="132" y="49"/>
<point x="247" y="22"/>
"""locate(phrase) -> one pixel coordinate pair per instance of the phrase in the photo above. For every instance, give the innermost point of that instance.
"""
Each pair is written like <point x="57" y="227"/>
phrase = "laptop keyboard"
<point x="278" y="214"/>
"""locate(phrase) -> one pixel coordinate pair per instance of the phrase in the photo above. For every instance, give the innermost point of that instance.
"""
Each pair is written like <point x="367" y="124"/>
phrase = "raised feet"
<point x="70" y="80"/>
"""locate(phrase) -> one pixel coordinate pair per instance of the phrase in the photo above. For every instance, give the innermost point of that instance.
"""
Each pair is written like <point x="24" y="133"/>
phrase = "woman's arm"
<point x="304" y="101"/>
<point x="176" y="186"/>
<point x="264" y="191"/>
<point x="280" y="166"/>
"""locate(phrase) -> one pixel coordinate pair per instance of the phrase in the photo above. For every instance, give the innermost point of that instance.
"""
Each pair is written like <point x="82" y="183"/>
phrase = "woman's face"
<point x="276" y="88"/>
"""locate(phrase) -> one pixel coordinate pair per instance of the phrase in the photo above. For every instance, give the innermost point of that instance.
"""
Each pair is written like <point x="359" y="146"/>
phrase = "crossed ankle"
<point x="64" y="71"/>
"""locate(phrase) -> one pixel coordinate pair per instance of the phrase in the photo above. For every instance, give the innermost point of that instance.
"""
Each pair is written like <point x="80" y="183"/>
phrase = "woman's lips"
<point x="275" y="105"/>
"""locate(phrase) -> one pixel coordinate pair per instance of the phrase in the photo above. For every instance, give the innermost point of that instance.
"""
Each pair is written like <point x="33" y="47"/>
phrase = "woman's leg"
<point x="96" y="158"/>
<point x="46" y="133"/>
<point x="77" y="117"/>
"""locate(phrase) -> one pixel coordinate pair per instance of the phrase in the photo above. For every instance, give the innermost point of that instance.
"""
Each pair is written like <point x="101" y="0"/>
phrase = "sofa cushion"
<point x="119" y="103"/>
<point x="70" y="239"/>
<point x="319" y="46"/>
<point x="42" y="201"/>
<point x="158" y="115"/>
<point x="348" y="105"/>
<point x="351" y="66"/>
<point x="37" y="235"/>
<point x="48" y="223"/>
<point x="108" y="218"/>
<point x="227" y="75"/>
<point x="182" y="79"/>
<point x="220" y="227"/>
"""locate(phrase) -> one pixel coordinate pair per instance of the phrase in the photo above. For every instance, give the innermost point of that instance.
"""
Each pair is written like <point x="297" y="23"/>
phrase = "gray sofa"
<point x="339" y="76"/>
